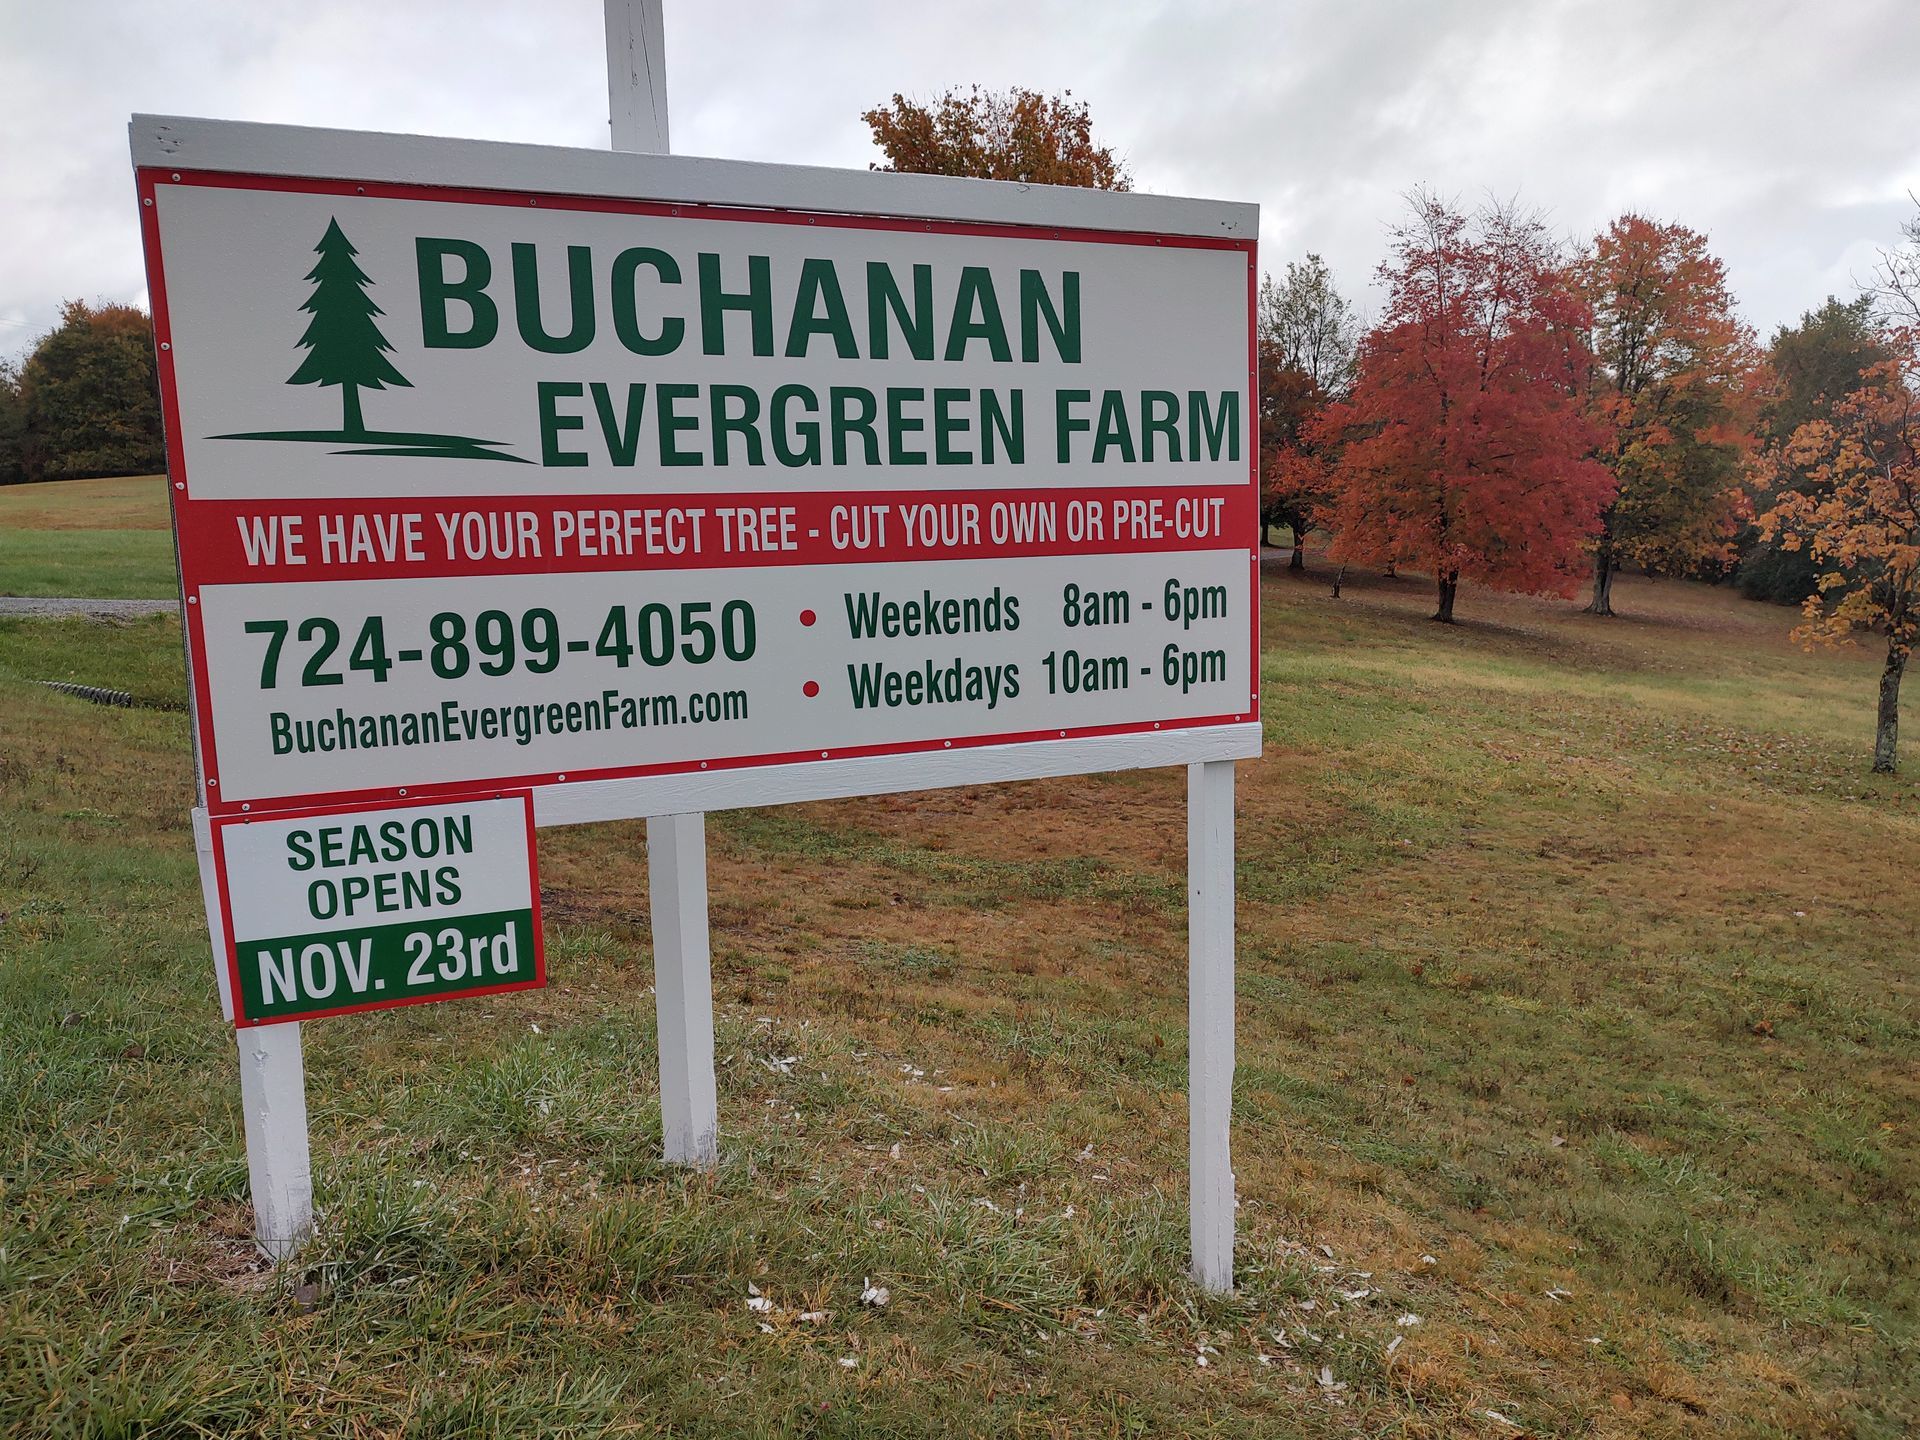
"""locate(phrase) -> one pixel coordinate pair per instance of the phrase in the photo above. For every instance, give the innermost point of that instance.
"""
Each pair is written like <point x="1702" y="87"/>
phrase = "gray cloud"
<point x="1789" y="132"/>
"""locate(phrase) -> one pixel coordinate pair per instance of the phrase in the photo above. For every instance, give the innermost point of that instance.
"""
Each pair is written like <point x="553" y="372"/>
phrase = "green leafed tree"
<point x="344" y="346"/>
<point x="1816" y="365"/>
<point x="87" y="400"/>
<point x="13" y="427"/>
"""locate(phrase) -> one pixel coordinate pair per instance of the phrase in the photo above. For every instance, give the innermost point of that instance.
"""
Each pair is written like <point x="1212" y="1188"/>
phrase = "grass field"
<point x="100" y="539"/>
<point x="1577" y="1013"/>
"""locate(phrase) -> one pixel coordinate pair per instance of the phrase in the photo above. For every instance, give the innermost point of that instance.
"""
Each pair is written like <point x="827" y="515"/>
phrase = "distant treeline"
<point x="84" y="402"/>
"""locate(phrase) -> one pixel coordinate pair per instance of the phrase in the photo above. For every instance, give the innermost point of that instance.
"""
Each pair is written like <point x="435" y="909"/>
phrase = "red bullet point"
<point x="810" y="689"/>
<point x="807" y="617"/>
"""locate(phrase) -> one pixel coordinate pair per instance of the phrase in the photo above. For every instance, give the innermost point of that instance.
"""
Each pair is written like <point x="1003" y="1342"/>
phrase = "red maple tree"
<point x="1465" y="448"/>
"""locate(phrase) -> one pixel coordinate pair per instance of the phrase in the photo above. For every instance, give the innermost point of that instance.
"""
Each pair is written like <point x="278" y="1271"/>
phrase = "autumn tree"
<point x="1669" y="389"/>
<point x="88" y="400"/>
<point x="1857" y="512"/>
<point x="996" y="135"/>
<point x="1465" y="446"/>
<point x="1813" y="366"/>
<point x="1308" y="336"/>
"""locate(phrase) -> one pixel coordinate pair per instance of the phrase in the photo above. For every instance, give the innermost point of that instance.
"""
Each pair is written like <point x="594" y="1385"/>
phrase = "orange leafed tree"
<point x="1859" y="517"/>
<point x="1670" y="387"/>
<point x="997" y="135"/>
<point x="1465" y="447"/>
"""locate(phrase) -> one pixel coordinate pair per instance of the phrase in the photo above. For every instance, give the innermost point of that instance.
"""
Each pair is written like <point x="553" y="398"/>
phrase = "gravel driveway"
<point x="92" y="609"/>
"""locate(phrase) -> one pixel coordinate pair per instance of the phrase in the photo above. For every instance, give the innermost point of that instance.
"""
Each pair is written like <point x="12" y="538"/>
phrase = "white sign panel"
<point x="496" y="485"/>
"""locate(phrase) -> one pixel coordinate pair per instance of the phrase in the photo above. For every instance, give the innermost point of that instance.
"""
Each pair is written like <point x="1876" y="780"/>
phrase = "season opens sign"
<point x="335" y="910"/>
<point x="483" y="487"/>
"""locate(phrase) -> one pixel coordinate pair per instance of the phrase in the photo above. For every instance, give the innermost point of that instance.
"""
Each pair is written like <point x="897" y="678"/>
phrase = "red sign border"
<point x="148" y="178"/>
<point x="218" y="824"/>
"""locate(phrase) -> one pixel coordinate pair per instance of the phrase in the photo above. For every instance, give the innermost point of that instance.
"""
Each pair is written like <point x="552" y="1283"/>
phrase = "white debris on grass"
<point x="874" y="1295"/>
<point x="1394" y="1344"/>
<point x="1408" y="1321"/>
<point x="847" y="1362"/>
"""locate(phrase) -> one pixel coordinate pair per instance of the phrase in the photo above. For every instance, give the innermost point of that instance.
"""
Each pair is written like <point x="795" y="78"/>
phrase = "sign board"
<point x="643" y="486"/>
<point x="572" y="467"/>
<point x="336" y="910"/>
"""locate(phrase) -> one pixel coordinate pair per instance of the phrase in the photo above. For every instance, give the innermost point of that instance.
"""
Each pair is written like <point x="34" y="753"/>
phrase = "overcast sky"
<point x="1788" y="131"/>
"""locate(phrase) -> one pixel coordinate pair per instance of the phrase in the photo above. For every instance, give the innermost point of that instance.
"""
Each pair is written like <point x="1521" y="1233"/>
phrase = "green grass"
<point x="1579" y="1016"/>
<point x="97" y="539"/>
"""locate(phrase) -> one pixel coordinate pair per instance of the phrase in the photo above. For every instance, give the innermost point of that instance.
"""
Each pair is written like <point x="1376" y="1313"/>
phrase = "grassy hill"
<point x="101" y="539"/>
<point x="1578" y="1043"/>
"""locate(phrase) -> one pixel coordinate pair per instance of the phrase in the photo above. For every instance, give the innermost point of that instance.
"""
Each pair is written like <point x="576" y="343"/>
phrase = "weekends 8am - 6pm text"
<point x="500" y="675"/>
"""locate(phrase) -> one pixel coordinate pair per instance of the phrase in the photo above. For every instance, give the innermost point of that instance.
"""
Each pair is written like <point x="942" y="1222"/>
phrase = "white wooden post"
<point x="273" y="1104"/>
<point x="1210" y="1020"/>
<point x="273" y="1094"/>
<point x="683" y="988"/>
<point x="637" y="75"/>
<point x="676" y="844"/>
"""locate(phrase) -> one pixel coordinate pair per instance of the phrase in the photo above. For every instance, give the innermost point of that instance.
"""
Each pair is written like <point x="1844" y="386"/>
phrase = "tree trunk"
<point x="1266" y="534"/>
<point x="1602" y="603"/>
<point x="1299" y="560"/>
<point x="1449" y="587"/>
<point x="350" y="420"/>
<point x="1338" y="576"/>
<point x="1886" y="735"/>
<point x="1390" y="573"/>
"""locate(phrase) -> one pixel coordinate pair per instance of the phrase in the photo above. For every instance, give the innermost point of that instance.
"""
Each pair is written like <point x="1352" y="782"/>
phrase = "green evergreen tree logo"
<point x="345" y="347"/>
